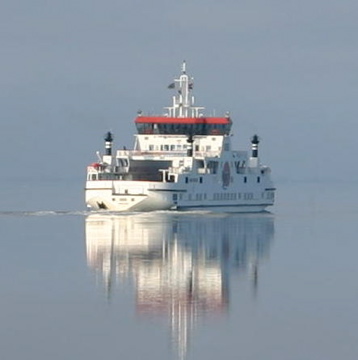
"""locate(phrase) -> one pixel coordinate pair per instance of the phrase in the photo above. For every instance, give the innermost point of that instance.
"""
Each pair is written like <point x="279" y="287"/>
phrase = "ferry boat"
<point x="180" y="160"/>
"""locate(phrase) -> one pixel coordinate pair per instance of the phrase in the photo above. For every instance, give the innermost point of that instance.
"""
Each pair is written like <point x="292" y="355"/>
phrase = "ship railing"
<point x="154" y="154"/>
<point x="151" y="154"/>
<point x="188" y="169"/>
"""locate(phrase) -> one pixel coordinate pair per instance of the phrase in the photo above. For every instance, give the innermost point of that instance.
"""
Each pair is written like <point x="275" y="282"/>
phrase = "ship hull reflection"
<point x="181" y="264"/>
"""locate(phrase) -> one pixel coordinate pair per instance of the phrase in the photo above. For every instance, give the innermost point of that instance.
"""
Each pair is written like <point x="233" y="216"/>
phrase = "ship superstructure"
<point x="180" y="160"/>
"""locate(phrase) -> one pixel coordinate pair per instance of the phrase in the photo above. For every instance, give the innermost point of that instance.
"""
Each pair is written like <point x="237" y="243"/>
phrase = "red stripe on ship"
<point x="177" y="120"/>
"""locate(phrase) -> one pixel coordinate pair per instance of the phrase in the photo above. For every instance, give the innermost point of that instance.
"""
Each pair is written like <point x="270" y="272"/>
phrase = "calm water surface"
<point x="196" y="285"/>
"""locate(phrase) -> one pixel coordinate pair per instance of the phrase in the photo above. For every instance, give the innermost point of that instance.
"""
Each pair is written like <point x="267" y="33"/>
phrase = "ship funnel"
<point x="108" y="143"/>
<point x="255" y="146"/>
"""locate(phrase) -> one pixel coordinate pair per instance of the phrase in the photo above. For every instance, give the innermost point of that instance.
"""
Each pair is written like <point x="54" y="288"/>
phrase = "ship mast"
<point x="183" y="101"/>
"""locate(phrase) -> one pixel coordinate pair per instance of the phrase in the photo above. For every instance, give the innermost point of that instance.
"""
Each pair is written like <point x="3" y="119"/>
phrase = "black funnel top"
<point x="255" y="139"/>
<point x="108" y="137"/>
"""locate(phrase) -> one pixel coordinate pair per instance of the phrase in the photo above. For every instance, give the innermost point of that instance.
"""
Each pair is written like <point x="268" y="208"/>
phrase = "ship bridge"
<point x="183" y="126"/>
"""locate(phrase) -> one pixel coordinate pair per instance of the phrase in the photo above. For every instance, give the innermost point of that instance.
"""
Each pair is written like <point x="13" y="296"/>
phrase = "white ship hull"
<point x="143" y="196"/>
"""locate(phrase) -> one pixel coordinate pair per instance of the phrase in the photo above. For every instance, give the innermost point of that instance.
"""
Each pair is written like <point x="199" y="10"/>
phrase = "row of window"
<point x="103" y="176"/>
<point x="224" y="196"/>
<point x="111" y="176"/>
<point x="177" y="147"/>
<point x="216" y="196"/>
<point x="198" y="129"/>
<point x="233" y="196"/>
<point x="187" y="180"/>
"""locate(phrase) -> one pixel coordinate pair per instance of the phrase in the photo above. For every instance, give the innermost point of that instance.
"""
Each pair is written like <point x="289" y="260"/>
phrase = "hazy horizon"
<point x="70" y="71"/>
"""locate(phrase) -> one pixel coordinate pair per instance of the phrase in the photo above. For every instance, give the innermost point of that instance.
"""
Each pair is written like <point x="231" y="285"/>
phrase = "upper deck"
<point x="183" y="118"/>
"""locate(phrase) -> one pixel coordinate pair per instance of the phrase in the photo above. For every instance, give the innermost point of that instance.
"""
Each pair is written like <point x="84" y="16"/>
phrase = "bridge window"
<point x="179" y="128"/>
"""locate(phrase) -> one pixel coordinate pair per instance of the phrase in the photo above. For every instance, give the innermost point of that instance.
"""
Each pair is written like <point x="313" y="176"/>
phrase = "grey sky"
<point x="71" y="70"/>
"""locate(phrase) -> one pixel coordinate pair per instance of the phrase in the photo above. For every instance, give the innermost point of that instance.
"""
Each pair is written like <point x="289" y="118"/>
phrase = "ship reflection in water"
<point x="181" y="264"/>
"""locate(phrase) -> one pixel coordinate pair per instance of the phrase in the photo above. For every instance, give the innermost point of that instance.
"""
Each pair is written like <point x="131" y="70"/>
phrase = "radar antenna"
<point x="183" y="101"/>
